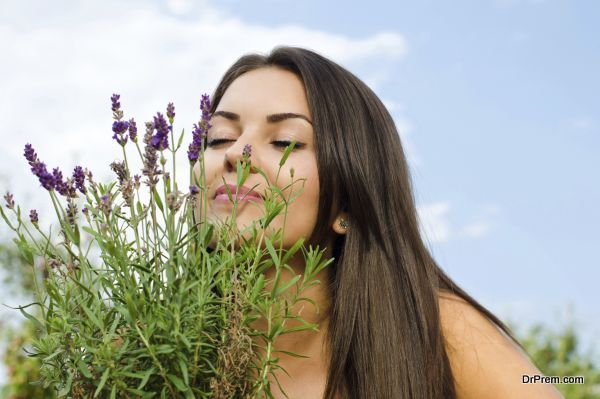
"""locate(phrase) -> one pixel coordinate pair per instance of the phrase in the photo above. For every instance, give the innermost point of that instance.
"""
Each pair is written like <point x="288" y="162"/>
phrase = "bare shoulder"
<point x="486" y="364"/>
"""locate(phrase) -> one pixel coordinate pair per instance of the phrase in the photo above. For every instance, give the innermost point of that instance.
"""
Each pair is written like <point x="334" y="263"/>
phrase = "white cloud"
<point x="476" y="229"/>
<point x="436" y="226"/>
<point x="65" y="60"/>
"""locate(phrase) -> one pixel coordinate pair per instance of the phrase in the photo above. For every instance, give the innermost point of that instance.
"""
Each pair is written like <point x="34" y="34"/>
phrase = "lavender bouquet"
<point x="131" y="302"/>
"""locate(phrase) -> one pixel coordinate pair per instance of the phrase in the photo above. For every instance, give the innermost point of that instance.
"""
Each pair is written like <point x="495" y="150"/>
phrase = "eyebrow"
<point x="273" y="118"/>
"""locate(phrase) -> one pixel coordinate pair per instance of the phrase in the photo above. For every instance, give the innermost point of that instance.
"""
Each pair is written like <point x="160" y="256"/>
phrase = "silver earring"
<point x="343" y="224"/>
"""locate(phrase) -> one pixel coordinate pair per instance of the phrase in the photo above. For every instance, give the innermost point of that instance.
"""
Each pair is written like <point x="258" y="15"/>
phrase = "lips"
<point x="243" y="192"/>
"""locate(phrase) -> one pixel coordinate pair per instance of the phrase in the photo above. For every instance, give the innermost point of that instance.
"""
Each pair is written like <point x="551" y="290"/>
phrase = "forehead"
<point x="265" y="91"/>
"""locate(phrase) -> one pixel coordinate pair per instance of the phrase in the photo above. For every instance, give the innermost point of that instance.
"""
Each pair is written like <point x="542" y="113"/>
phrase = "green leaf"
<point x="102" y="382"/>
<point x="156" y="197"/>
<point x="258" y="286"/>
<point x="146" y="378"/>
<point x="271" y="250"/>
<point x="31" y="318"/>
<point x="181" y="386"/>
<point x="25" y="249"/>
<point x="287" y="285"/>
<point x="92" y="317"/>
<point x="290" y="252"/>
<point x="84" y="369"/>
<point x="287" y="152"/>
<point x="180" y="140"/>
<point x="184" y="371"/>
<point x="6" y="219"/>
<point x="55" y="354"/>
<point x="67" y="388"/>
<point x="290" y="353"/>
<point x="76" y="235"/>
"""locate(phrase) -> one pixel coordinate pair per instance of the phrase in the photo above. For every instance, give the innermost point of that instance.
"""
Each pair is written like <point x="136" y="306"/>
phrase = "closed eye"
<point x="280" y="143"/>
<point x="215" y="142"/>
<point x="285" y="144"/>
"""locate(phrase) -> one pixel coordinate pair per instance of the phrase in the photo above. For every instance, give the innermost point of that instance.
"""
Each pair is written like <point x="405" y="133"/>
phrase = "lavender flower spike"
<point x="200" y="130"/>
<point x="79" y="178"/>
<point x="132" y="130"/>
<point x="33" y="217"/>
<point x="10" y="203"/>
<point x="116" y="107"/>
<point x="105" y="204"/>
<point x="160" y="140"/>
<point x="30" y="154"/>
<point x="119" y="128"/>
<point x="171" y="113"/>
<point x="247" y="151"/>
<point x="60" y="185"/>
<point x="38" y="168"/>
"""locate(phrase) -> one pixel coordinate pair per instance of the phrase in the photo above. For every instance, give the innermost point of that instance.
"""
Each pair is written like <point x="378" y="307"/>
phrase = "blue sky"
<point x="496" y="101"/>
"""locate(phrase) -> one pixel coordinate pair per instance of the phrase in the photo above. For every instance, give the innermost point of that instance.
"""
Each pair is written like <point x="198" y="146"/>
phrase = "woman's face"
<point x="265" y="108"/>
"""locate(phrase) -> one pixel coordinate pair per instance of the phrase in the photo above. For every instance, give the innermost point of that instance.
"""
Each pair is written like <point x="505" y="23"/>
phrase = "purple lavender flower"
<point x="119" y="128"/>
<point x="79" y="178"/>
<point x="46" y="178"/>
<point x="205" y="106"/>
<point x="121" y="171"/>
<point x="194" y="189"/>
<point x="247" y="151"/>
<point x="116" y="105"/>
<point x="71" y="212"/>
<point x="72" y="191"/>
<point x="10" y="203"/>
<point x="136" y="183"/>
<point x="33" y="217"/>
<point x="150" y="169"/>
<point x="160" y="140"/>
<point x="171" y="113"/>
<point x="30" y="154"/>
<point x="200" y="130"/>
<point x="60" y="185"/>
<point x="84" y="211"/>
<point x="39" y="168"/>
<point x="105" y="204"/>
<point x="132" y="130"/>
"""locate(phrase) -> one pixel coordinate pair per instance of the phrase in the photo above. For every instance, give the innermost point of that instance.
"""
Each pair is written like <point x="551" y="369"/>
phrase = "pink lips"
<point x="244" y="193"/>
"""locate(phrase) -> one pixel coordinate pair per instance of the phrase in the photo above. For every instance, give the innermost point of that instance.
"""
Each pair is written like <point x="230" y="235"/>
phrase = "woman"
<point x="392" y="324"/>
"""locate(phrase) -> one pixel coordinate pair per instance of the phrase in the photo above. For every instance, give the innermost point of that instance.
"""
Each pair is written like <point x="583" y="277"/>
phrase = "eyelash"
<point x="281" y="143"/>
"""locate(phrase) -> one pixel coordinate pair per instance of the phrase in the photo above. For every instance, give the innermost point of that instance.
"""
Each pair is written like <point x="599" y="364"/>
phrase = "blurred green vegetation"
<point x="555" y="351"/>
<point x="22" y="370"/>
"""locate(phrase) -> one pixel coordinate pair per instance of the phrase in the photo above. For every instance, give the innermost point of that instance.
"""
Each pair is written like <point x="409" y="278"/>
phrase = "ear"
<point x="341" y="219"/>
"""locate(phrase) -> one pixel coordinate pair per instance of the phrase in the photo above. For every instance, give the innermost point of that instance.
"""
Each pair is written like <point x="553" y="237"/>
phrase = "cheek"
<point x="303" y="211"/>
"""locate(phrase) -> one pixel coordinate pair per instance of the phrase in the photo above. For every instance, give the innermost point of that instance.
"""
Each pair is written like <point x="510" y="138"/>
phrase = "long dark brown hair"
<point x="385" y="338"/>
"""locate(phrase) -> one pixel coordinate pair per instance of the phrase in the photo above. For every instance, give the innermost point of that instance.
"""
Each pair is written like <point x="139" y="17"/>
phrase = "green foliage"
<point x="557" y="352"/>
<point x="156" y="314"/>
